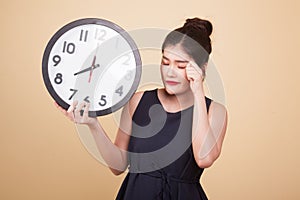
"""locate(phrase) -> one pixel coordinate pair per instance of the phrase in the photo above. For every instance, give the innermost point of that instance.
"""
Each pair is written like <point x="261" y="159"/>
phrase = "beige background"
<point x="256" y="49"/>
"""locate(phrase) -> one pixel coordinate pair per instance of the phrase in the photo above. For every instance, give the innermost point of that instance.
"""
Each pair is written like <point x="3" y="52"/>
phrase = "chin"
<point x="169" y="91"/>
<point x="176" y="91"/>
<point x="173" y="91"/>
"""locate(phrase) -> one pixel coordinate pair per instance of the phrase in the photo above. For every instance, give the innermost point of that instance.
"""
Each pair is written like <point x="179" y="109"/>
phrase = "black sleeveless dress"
<point x="160" y="154"/>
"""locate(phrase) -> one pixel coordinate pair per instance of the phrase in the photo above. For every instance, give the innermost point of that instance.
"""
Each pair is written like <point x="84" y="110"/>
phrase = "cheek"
<point x="183" y="74"/>
<point x="163" y="70"/>
<point x="185" y="80"/>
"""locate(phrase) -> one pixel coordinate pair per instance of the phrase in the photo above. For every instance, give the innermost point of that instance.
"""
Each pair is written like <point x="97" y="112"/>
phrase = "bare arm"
<point x="114" y="154"/>
<point x="208" y="130"/>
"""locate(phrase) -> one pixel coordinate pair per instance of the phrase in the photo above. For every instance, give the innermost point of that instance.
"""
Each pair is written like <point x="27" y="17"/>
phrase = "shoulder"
<point x="217" y="105"/>
<point x="137" y="97"/>
<point x="217" y="110"/>
<point x="134" y="101"/>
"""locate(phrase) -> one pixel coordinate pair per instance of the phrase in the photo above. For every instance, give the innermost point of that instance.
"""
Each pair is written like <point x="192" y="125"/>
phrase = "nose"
<point x="171" y="71"/>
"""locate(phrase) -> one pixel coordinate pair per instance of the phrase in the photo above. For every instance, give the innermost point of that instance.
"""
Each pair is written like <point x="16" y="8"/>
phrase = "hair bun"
<point x="201" y="24"/>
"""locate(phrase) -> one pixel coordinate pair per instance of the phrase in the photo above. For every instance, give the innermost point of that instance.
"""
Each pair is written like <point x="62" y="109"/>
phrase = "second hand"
<point x="93" y="64"/>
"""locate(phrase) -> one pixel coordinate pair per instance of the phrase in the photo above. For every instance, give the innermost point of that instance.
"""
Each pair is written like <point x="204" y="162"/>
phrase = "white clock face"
<point x="94" y="62"/>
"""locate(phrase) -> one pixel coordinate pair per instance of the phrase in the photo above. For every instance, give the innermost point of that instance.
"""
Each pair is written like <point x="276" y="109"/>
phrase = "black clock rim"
<point x="110" y="25"/>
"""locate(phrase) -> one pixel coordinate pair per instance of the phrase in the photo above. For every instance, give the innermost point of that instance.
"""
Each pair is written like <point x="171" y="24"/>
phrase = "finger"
<point x="196" y="67"/>
<point x="76" y="112"/>
<point x="201" y="70"/>
<point x="196" y="73"/>
<point x="188" y="71"/>
<point x="72" y="107"/>
<point x="191" y="69"/>
<point x="71" y="110"/>
<point x="191" y="84"/>
<point x="188" y="76"/>
<point x="191" y="74"/>
<point x="56" y="105"/>
<point x="86" y="110"/>
<point x="79" y="109"/>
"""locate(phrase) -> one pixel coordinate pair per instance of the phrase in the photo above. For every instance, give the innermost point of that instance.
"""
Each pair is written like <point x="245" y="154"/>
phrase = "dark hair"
<point x="194" y="38"/>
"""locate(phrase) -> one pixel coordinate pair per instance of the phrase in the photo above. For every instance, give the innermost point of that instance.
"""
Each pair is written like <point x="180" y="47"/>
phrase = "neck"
<point x="177" y="101"/>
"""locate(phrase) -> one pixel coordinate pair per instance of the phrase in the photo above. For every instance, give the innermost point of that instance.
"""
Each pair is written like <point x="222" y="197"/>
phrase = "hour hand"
<point x="87" y="69"/>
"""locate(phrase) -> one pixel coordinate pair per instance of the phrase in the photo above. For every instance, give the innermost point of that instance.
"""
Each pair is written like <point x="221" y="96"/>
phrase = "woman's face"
<point x="173" y="64"/>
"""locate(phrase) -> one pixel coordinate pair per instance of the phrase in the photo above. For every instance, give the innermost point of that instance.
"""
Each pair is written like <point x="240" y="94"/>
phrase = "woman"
<point x="167" y="150"/>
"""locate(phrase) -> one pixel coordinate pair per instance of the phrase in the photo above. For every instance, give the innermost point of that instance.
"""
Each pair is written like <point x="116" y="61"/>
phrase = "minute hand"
<point x="87" y="69"/>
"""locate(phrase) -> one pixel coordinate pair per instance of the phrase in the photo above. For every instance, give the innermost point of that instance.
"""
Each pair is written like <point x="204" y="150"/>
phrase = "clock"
<point x="92" y="60"/>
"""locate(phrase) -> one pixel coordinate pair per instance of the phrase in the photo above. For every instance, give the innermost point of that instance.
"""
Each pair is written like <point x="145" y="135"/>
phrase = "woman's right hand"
<point x="74" y="113"/>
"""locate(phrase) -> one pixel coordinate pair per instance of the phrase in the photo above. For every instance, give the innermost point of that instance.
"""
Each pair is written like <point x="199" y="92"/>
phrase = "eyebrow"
<point x="178" y="61"/>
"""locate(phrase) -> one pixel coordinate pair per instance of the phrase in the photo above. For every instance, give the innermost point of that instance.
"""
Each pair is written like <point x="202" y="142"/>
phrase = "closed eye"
<point x="181" y="66"/>
<point x="165" y="63"/>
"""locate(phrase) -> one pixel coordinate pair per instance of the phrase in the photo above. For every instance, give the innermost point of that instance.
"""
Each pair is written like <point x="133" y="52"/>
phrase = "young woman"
<point x="166" y="136"/>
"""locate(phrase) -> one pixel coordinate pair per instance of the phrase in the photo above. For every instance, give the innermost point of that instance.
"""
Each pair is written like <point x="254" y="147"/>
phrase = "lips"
<point x="172" y="82"/>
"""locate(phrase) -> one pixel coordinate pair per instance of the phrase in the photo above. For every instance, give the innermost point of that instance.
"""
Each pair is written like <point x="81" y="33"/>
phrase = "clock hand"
<point x="92" y="68"/>
<point x="87" y="69"/>
<point x="94" y="60"/>
<point x="90" y="76"/>
<point x="82" y="71"/>
<point x="93" y="64"/>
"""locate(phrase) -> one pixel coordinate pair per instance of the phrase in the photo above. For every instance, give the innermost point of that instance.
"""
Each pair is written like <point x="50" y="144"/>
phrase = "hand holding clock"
<point x="78" y="114"/>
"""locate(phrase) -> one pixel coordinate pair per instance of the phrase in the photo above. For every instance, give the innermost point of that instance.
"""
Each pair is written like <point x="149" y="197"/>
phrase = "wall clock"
<point x="92" y="60"/>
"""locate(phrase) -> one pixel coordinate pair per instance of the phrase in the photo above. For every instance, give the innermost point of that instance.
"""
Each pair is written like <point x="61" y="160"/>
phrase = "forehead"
<point x="176" y="53"/>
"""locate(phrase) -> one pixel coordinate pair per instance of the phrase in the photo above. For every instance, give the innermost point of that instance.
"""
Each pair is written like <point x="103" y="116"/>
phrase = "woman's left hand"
<point x="195" y="75"/>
